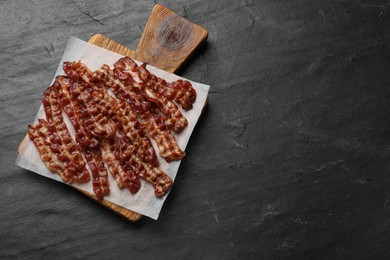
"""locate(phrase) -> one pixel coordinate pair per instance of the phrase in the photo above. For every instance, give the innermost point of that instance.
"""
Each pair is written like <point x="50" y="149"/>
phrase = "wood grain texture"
<point x="109" y="44"/>
<point x="168" y="39"/>
<point x="174" y="39"/>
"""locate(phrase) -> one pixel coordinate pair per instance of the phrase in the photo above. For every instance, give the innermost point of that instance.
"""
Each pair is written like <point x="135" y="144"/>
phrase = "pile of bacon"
<point x="112" y="130"/>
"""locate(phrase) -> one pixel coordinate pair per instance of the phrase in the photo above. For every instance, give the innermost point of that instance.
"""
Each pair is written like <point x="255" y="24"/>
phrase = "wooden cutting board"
<point x="167" y="42"/>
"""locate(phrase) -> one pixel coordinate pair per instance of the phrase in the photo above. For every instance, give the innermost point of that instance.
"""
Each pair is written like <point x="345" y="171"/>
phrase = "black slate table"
<point x="290" y="159"/>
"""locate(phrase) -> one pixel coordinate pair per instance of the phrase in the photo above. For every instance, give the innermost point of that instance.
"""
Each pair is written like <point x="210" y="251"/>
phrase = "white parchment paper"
<point x="144" y="201"/>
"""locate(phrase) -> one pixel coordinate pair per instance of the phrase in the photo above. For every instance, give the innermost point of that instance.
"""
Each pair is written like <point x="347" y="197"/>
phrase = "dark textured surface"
<point x="291" y="157"/>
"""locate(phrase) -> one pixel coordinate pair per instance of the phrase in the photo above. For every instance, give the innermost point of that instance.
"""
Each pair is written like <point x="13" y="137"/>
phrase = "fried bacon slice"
<point x="123" y="177"/>
<point x="128" y="71"/>
<point x="78" y="71"/>
<point x="174" y="117"/>
<point x="92" y="153"/>
<point x="166" y="142"/>
<point x="125" y="151"/>
<point x="181" y="91"/>
<point x="69" y="152"/>
<point x="39" y="135"/>
<point x="147" y="114"/>
<point x="100" y="184"/>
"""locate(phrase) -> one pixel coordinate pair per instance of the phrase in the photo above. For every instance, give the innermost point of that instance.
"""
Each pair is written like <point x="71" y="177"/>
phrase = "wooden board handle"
<point x="168" y="39"/>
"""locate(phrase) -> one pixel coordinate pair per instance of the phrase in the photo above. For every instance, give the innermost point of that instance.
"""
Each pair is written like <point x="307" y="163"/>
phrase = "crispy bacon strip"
<point x="181" y="91"/>
<point x="78" y="71"/>
<point x="128" y="71"/>
<point x="100" y="184"/>
<point x="69" y="152"/>
<point x="149" y="117"/>
<point x="48" y="151"/>
<point x="92" y="154"/>
<point x="160" y="180"/>
<point x="166" y="106"/>
<point x="166" y="142"/>
<point x="124" y="178"/>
